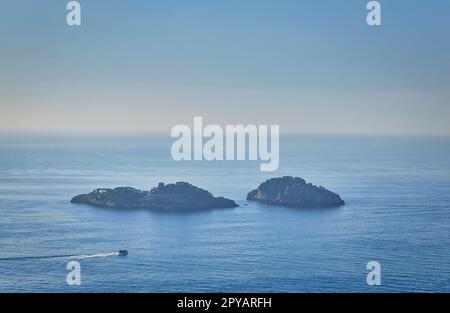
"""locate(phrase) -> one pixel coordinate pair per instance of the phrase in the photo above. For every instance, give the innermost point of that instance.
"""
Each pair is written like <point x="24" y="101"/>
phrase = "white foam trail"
<point x="68" y="256"/>
<point x="91" y="256"/>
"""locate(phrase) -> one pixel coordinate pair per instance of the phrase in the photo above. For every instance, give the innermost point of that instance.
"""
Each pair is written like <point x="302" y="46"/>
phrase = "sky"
<point x="310" y="66"/>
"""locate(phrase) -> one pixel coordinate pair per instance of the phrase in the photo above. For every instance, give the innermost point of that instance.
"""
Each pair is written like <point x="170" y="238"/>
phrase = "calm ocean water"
<point x="397" y="191"/>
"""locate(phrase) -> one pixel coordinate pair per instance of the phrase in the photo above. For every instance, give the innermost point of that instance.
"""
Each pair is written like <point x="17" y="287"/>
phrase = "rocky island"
<point x="178" y="197"/>
<point x="294" y="192"/>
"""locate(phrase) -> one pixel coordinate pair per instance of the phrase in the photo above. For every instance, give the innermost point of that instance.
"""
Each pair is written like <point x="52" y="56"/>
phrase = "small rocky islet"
<point x="177" y="197"/>
<point x="294" y="192"/>
<point x="184" y="197"/>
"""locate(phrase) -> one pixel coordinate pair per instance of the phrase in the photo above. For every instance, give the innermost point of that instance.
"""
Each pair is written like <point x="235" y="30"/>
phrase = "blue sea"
<point x="397" y="212"/>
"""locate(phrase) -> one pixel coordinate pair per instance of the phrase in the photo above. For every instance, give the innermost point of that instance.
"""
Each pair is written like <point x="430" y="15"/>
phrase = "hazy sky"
<point x="310" y="66"/>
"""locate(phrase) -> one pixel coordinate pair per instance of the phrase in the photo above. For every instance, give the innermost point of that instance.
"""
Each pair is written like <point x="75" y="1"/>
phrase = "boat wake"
<point x="68" y="256"/>
<point x="91" y="256"/>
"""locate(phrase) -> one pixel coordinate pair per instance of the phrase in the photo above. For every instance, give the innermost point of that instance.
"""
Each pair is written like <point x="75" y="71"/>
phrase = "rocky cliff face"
<point x="294" y="192"/>
<point x="172" y="197"/>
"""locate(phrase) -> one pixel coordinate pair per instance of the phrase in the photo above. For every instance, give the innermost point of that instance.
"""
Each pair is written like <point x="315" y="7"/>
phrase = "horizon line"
<point x="66" y="132"/>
